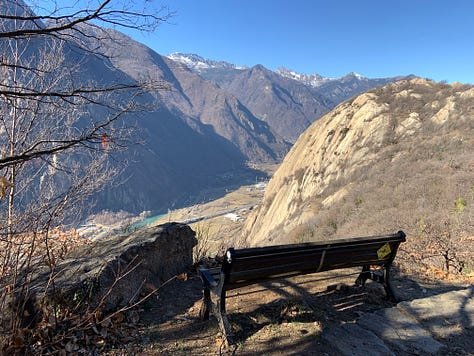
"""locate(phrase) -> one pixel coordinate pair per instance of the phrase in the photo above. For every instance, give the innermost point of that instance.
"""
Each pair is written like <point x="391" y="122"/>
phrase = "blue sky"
<point x="376" y="38"/>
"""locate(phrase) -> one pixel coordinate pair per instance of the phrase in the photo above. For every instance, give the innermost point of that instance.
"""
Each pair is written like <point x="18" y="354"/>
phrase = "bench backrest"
<point x="253" y="265"/>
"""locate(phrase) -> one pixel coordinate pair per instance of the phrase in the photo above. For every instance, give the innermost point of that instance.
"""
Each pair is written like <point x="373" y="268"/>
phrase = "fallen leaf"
<point x="219" y="341"/>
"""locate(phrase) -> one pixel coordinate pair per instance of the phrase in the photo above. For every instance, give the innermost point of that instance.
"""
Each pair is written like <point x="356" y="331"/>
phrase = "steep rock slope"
<point x="397" y="157"/>
<point x="228" y="116"/>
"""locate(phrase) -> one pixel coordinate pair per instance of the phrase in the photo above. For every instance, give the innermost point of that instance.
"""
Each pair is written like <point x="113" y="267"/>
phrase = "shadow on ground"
<point x="285" y="317"/>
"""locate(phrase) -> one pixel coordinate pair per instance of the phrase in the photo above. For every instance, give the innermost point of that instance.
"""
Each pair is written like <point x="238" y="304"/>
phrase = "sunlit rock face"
<point x="395" y="157"/>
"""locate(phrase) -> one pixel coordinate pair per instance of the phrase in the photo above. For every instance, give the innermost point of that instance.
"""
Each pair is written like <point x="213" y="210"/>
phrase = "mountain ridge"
<point x="287" y="100"/>
<point x="199" y="64"/>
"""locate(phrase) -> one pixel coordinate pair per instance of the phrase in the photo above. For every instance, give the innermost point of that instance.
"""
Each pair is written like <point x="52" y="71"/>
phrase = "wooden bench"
<point x="243" y="267"/>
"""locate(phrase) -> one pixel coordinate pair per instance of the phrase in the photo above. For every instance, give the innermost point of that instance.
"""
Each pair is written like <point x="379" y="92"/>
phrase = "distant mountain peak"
<point x="314" y="80"/>
<point x="259" y="68"/>
<point x="197" y="63"/>
<point x="354" y="75"/>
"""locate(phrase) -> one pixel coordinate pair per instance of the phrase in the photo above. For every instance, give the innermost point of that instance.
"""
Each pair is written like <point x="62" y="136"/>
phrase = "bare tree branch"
<point x="53" y="25"/>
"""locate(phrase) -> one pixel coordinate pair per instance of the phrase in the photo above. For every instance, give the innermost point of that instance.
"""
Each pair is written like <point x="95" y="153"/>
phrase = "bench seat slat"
<point x="208" y="278"/>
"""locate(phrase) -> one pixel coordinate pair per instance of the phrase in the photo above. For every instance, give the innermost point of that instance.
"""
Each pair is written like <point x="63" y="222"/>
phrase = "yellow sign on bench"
<point x="384" y="251"/>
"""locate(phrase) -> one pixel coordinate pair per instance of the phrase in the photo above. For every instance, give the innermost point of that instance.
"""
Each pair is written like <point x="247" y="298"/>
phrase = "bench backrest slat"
<point x="311" y="256"/>
<point x="398" y="237"/>
<point x="247" y="266"/>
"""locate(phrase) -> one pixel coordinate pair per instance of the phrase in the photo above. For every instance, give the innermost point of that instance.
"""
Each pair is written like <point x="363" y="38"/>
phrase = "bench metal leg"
<point x="206" y="304"/>
<point x="387" y="286"/>
<point x="211" y="286"/>
<point x="363" y="276"/>
<point x="382" y="278"/>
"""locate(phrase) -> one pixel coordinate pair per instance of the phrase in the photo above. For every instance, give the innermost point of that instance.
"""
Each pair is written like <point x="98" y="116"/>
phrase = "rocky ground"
<point x="305" y="315"/>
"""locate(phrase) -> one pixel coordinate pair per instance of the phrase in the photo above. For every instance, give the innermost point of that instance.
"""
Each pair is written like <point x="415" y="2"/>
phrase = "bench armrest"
<point x="207" y="278"/>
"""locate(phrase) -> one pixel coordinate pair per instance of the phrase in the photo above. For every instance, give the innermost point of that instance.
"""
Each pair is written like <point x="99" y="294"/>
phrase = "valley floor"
<point x="217" y="223"/>
<point x="217" y="218"/>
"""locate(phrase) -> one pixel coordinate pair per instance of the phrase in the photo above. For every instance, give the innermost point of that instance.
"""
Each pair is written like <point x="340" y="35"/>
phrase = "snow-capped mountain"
<point x="314" y="80"/>
<point x="338" y="89"/>
<point x="288" y="101"/>
<point x="197" y="63"/>
<point x="335" y="89"/>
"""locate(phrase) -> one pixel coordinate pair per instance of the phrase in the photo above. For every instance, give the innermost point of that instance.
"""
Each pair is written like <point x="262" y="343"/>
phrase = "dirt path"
<point x="281" y="318"/>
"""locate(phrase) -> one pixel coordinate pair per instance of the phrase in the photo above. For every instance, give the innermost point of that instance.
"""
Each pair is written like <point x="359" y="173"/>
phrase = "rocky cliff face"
<point x="398" y="157"/>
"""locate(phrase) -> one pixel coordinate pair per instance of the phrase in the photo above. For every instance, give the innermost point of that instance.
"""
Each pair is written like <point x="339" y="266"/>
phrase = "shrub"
<point x="460" y="204"/>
